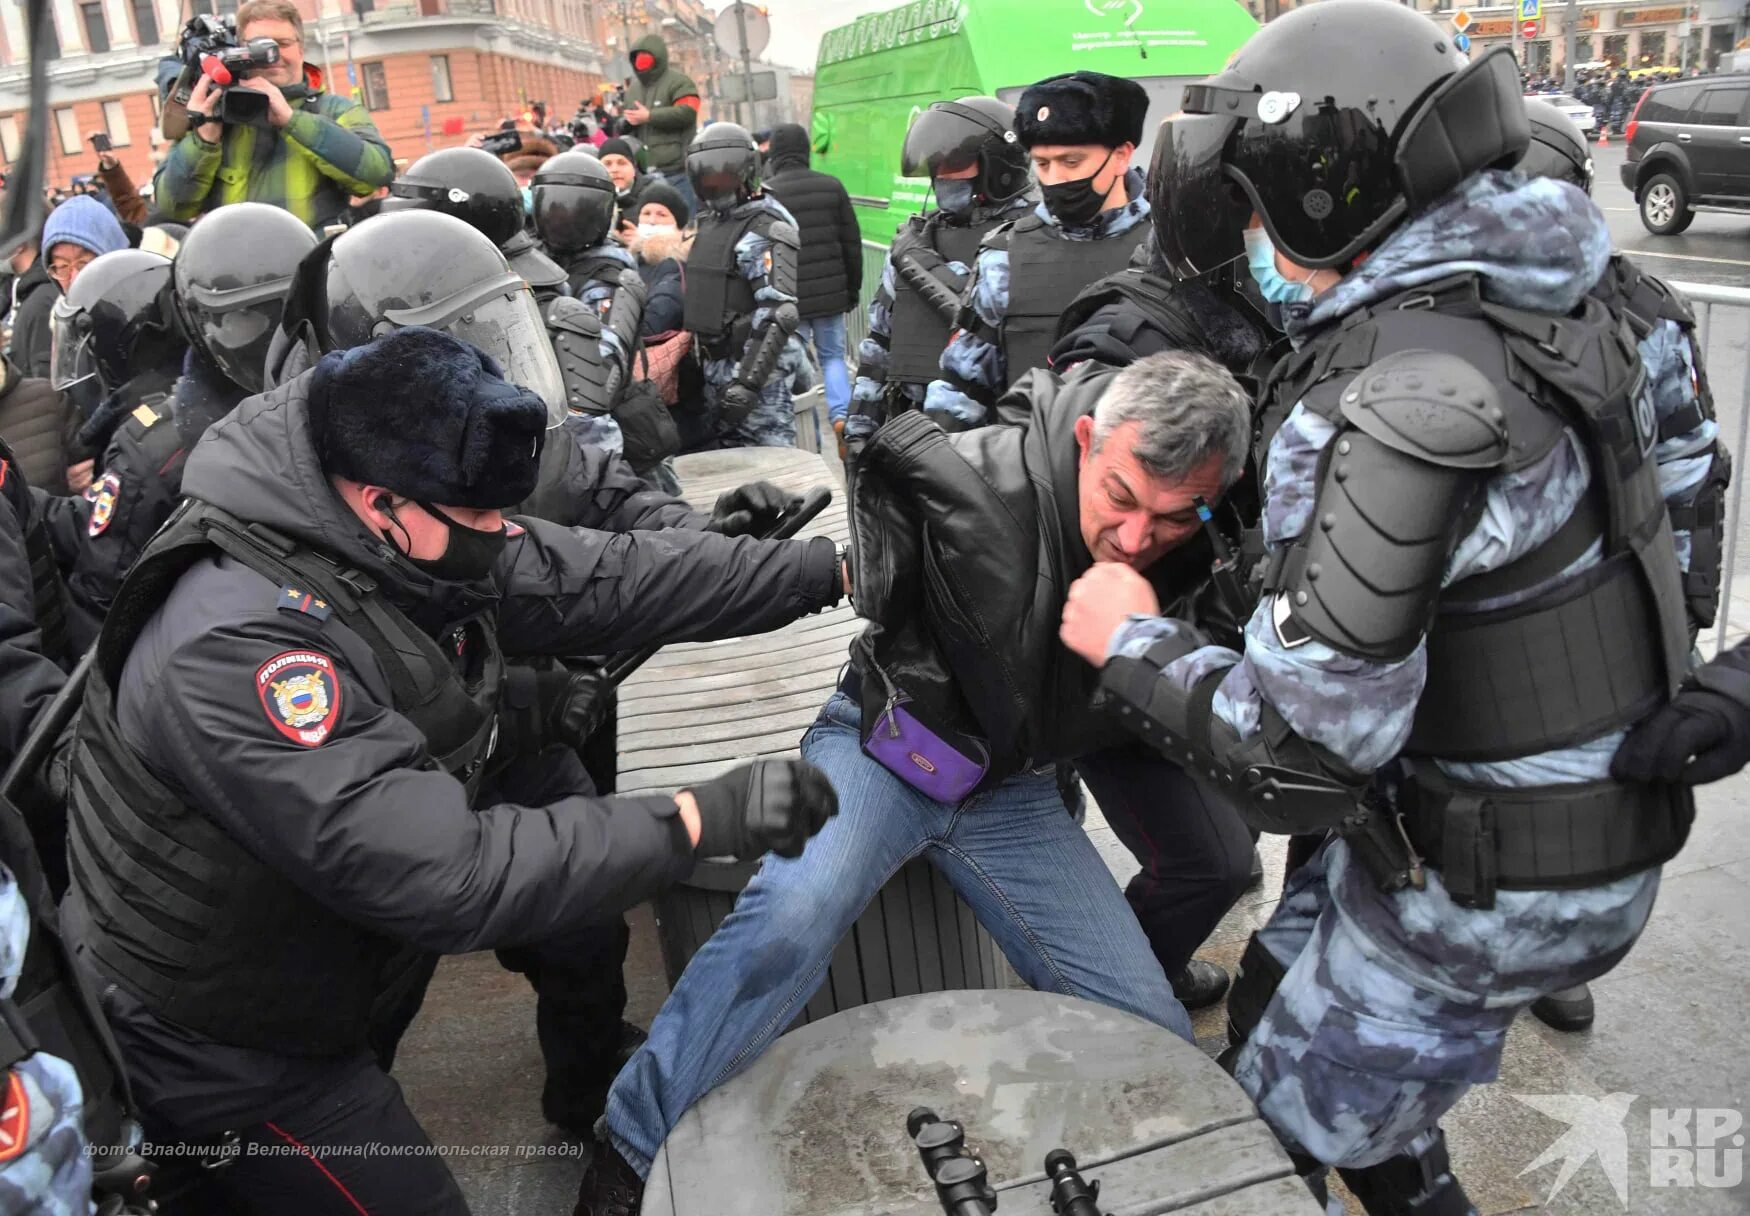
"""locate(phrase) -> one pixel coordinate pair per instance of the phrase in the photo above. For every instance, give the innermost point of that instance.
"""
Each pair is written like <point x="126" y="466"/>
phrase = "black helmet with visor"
<point x="953" y="136"/>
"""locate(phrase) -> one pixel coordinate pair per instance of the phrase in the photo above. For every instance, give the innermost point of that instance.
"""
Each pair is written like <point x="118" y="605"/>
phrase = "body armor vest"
<point x="917" y="333"/>
<point x="575" y="329"/>
<point x="205" y="935"/>
<point x="1570" y="658"/>
<point x="1046" y="271"/>
<point x="593" y="268"/>
<point x="719" y="301"/>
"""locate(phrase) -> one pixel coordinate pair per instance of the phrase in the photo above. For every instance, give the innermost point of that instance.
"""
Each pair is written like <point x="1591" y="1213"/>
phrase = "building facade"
<point x="1619" y="33"/>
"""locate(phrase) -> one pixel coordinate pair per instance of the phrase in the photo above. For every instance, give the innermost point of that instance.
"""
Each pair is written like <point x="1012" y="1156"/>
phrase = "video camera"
<point x="208" y="46"/>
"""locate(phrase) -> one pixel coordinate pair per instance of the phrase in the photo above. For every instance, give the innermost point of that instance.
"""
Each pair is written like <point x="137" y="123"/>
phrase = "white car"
<point x="1579" y="111"/>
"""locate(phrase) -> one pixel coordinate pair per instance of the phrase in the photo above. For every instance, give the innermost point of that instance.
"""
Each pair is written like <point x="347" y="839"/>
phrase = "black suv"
<point x="1689" y="146"/>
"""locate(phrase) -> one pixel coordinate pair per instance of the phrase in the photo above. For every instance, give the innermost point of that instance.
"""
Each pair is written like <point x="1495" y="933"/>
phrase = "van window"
<point x="1669" y="105"/>
<point x="1719" y="107"/>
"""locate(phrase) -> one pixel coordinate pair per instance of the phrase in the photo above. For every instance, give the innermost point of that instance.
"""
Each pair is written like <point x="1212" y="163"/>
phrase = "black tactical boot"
<point x="1200" y="984"/>
<point x="1413" y="1183"/>
<point x="574" y="1107"/>
<point x="1566" y="1008"/>
<point x="610" y="1186"/>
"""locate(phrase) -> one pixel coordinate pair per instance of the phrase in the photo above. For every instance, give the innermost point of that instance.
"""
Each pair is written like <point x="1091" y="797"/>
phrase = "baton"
<point x="622" y="665"/>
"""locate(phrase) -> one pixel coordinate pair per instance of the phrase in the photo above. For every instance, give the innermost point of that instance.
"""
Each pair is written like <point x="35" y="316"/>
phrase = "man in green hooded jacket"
<point x="662" y="104"/>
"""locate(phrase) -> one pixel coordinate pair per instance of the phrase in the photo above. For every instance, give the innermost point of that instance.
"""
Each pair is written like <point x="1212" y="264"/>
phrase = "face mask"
<point x="1075" y="204"/>
<point x="955" y="197"/>
<point x="468" y="558"/>
<point x="648" y="230"/>
<point x="1261" y="258"/>
<point x="528" y="200"/>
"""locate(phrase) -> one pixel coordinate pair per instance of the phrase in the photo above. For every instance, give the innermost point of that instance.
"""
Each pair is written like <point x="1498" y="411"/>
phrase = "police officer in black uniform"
<point x="290" y="788"/>
<point x="979" y="175"/>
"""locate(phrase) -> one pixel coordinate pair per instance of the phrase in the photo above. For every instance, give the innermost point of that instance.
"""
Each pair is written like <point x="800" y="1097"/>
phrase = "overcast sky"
<point x="798" y="24"/>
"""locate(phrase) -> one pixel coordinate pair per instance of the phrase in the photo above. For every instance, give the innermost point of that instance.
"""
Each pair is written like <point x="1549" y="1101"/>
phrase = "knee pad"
<point x="1255" y="984"/>
<point x="1413" y="1183"/>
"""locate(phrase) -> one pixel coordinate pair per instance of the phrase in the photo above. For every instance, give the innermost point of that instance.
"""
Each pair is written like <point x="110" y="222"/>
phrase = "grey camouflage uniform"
<point x="51" y="1174"/>
<point x="1394" y="1005"/>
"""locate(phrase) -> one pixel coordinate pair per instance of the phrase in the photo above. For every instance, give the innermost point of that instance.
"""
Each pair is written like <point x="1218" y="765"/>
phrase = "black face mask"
<point x="468" y="558"/>
<point x="1075" y="204"/>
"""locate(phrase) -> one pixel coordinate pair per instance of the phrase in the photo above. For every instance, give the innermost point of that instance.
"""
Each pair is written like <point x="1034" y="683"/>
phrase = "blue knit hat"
<point x="85" y="222"/>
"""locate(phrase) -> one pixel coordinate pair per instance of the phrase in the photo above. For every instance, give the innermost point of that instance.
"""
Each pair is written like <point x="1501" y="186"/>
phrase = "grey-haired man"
<point x="993" y="525"/>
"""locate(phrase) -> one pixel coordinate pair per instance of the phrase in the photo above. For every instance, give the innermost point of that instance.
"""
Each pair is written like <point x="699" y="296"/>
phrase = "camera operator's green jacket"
<point x="312" y="166"/>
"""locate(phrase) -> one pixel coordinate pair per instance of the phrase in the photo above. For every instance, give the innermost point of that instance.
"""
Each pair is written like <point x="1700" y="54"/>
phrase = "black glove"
<point x="738" y="402"/>
<point x="573" y="704"/>
<point x="1703" y="735"/>
<point x="751" y="509"/>
<point x="769" y="805"/>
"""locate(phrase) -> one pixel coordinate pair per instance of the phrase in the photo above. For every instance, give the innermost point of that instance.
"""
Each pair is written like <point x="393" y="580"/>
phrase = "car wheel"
<point x="1665" y="207"/>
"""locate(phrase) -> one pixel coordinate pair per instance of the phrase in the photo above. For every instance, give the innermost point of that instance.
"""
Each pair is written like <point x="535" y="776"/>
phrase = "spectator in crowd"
<point x="316" y="151"/>
<point x="34" y="421"/>
<point x="129" y="207"/>
<point x="662" y="108"/>
<point x="831" y="274"/>
<point x="620" y="158"/>
<point x="660" y="243"/>
<point x="18" y="265"/>
<point x="76" y="234"/>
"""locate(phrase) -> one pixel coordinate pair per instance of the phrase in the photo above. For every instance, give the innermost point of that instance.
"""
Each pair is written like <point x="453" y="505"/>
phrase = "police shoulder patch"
<point x="297" y="599"/>
<point x="104" y="496"/>
<point x="300" y="693"/>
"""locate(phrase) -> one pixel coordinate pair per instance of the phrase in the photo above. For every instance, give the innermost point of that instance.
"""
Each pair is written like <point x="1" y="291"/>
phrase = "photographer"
<point x="309" y="154"/>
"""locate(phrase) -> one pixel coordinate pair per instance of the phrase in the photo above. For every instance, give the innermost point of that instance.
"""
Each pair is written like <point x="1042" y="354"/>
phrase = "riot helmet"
<point x="232" y="276"/>
<point x="469" y="183"/>
<point x="114" y="323"/>
<point x="1558" y="149"/>
<point x="723" y="165"/>
<point x="952" y="136"/>
<point x="426" y="268"/>
<point x="1334" y="123"/>
<point x="574" y="200"/>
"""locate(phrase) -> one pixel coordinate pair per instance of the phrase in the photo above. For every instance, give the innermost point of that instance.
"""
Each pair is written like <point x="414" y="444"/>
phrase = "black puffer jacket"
<point x="34" y="298"/>
<point x="831" y="275"/>
<point x="35" y="421"/>
<point x="961" y="562"/>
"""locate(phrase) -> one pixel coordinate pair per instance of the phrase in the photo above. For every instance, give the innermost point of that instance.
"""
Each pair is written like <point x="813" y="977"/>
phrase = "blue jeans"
<point x="828" y="336"/>
<point x="682" y="183"/>
<point x="1027" y="871"/>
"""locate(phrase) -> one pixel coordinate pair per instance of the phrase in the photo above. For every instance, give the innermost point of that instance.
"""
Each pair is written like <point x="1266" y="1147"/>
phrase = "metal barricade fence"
<point x="1723" y="329"/>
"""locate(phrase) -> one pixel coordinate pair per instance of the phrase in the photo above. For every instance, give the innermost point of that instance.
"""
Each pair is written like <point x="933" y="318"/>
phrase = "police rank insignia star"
<point x="297" y="599"/>
<point x="104" y="496"/>
<point x="300" y="692"/>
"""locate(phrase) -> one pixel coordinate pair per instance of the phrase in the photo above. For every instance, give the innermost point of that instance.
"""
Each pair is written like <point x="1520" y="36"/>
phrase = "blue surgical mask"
<point x="955" y="197"/>
<point x="1261" y="257"/>
<point x="528" y="200"/>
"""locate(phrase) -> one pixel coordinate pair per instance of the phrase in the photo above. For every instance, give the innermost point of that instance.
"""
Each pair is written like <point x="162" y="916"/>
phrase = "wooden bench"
<point x="817" y="1126"/>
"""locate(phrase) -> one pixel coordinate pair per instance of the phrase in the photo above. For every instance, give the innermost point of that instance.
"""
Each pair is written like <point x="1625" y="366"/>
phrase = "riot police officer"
<point x="980" y="177"/>
<point x="290" y="785"/>
<point x="573" y="201"/>
<point x="480" y="190"/>
<point x="117" y="350"/>
<point x="741" y="291"/>
<point x="1080" y="131"/>
<point x="1428" y="514"/>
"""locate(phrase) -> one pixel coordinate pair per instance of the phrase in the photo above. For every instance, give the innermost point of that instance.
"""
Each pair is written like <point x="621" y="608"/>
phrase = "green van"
<point x="874" y="75"/>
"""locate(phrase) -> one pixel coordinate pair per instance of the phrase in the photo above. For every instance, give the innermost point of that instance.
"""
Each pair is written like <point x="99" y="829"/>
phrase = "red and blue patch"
<point x="300" y="693"/>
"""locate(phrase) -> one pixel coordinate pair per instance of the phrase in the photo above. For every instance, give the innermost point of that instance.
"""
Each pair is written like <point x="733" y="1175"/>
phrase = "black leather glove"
<point x="1703" y="735"/>
<point x="767" y="806"/>
<point x="751" y="509"/>
<point x="573" y="704"/>
<point x="738" y="402"/>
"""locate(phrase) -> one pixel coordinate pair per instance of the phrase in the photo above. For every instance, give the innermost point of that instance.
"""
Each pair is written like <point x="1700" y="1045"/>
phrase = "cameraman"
<point x="315" y="151"/>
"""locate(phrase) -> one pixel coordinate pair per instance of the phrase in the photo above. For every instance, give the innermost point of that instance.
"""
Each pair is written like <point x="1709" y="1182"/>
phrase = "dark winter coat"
<point x="831" y="274"/>
<point x="35" y="421"/>
<point x="661" y="264"/>
<point x="671" y="126"/>
<point x="35" y="299"/>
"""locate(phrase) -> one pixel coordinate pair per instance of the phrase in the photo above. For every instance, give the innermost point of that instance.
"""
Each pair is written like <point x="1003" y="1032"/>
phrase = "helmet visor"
<point x="72" y="354"/>
<point x="500" y="318"/>
<point x="720" y="175"/>
<point x="238" y="341"/>
<point x="572" y="217"/>
<point x="1200" y="216"/>
<point x="945" y="140"/>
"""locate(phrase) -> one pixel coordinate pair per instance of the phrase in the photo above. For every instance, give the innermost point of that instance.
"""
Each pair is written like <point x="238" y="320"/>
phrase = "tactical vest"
<point x="182" y="915"/>
<point x="1047" y="271"/>
<point x="1645" y="301"/>
<point x="1569" y="657"/>
<point x="575" y="330"/>
<point x="918" y="334"/>
<point x="719" y="301"/>
<point x="591" y="268"/>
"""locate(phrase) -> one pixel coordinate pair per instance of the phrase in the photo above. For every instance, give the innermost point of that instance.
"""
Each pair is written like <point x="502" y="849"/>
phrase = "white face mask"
<point x="648" y="230"/>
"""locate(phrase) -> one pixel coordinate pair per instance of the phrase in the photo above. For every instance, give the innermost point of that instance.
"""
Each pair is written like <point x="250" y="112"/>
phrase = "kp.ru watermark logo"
<point x="1688" y="1146"/>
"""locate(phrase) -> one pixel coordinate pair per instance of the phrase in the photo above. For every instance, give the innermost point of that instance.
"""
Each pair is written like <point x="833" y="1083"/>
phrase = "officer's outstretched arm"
<point x="609" y="496"/>
<point x="575" y="591"/>
<point x="284" y="736"/>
